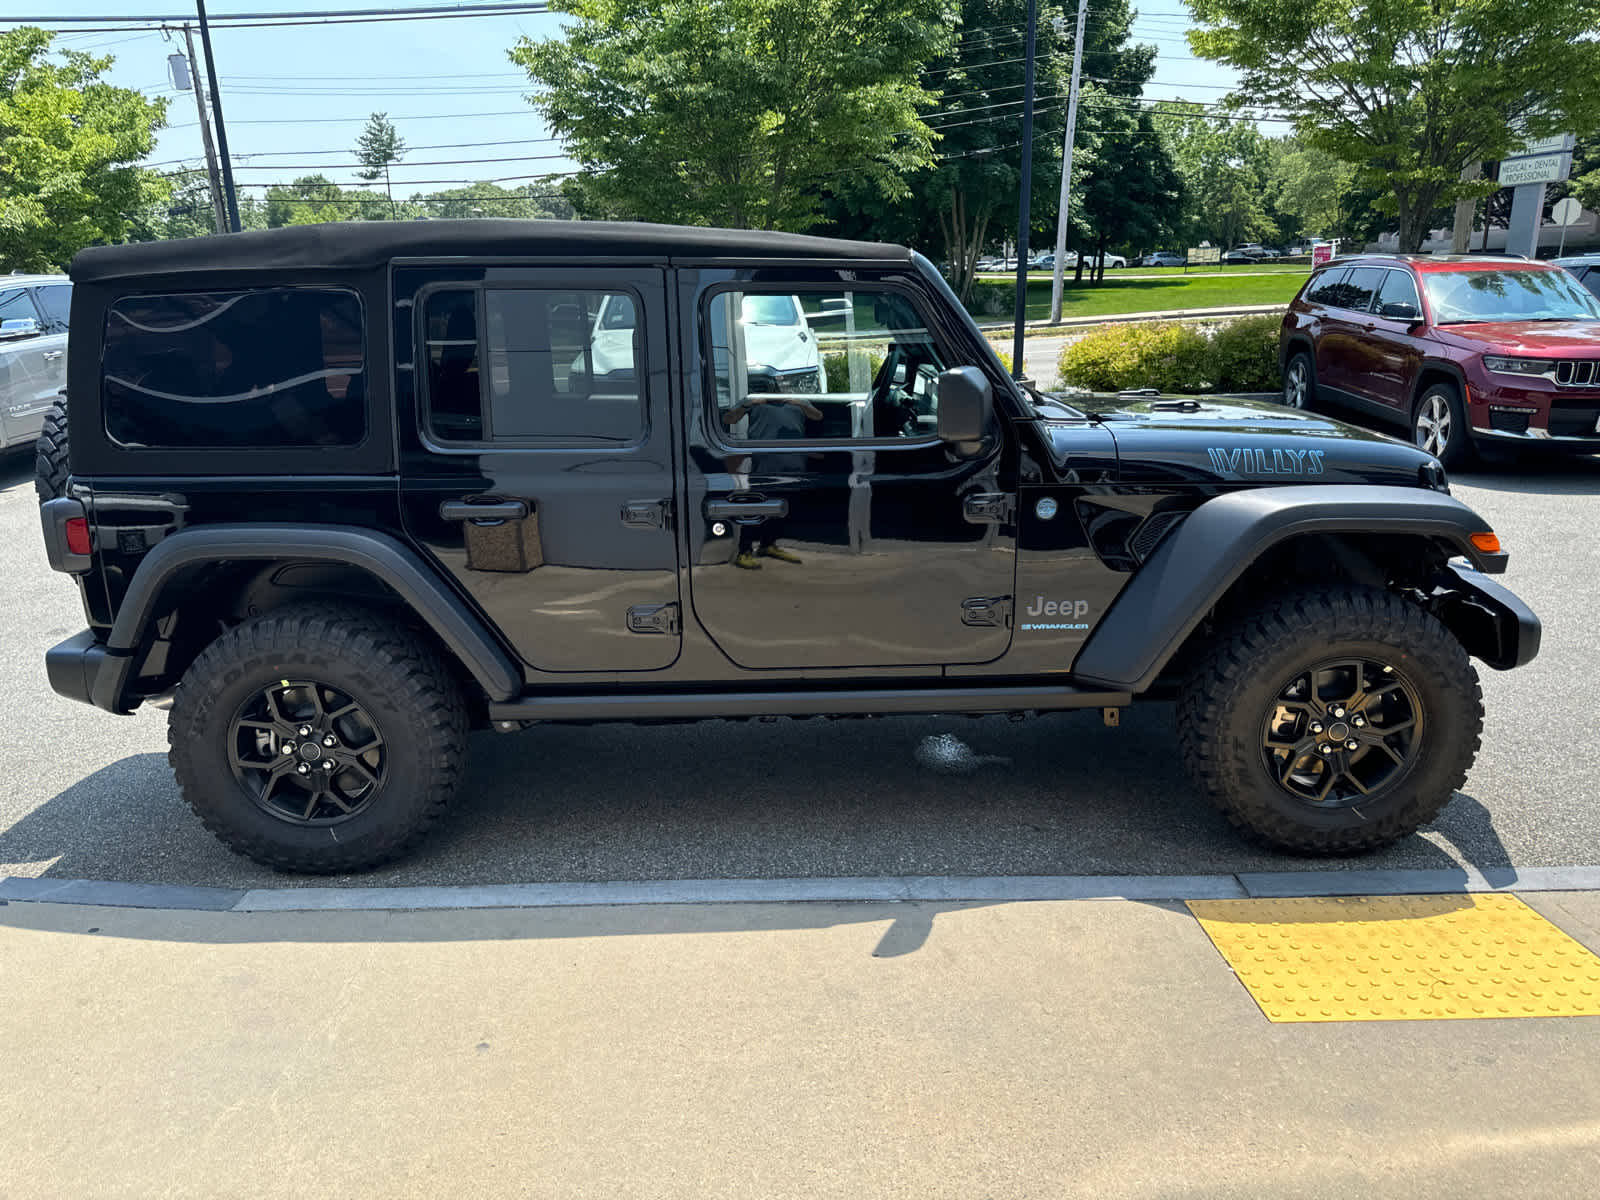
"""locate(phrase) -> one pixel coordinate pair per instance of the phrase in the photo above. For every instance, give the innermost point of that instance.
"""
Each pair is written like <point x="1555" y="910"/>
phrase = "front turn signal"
<point x="1487" y="542"/>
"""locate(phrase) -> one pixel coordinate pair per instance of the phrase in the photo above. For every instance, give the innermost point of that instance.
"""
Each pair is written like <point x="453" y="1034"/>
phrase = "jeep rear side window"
<point x="822" y="365"/>
<point x="238" y="370"/>
<point x="532" y="364"/>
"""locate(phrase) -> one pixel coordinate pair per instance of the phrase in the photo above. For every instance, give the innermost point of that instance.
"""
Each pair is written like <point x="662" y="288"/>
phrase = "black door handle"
<point x="487" y="510"/>
<point x="746" y="510"/>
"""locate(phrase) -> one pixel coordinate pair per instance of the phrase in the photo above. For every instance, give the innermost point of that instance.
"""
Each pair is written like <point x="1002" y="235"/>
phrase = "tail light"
<point x="78" y="536"/>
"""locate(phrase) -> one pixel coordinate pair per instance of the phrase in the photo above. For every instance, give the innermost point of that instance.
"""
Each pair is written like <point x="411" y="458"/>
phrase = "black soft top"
<point x="355" y="245"/>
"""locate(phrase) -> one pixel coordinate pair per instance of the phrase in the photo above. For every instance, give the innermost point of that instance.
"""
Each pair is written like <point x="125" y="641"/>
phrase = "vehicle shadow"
<point x="1534" y="475"/>
<point x="16" y="467"/>
<point x="894" y="797"/>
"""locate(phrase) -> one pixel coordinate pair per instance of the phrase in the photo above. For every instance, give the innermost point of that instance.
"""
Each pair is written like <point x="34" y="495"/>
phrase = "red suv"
<point x="1458" y="349"/>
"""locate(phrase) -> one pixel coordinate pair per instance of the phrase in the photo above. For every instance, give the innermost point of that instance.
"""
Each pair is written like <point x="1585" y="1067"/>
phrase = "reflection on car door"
<point x="1387" y="356"/>
<point x="1347" y="318"/>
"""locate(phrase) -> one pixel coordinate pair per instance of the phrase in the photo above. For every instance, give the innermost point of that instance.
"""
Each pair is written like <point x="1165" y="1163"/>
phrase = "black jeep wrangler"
<point x="341" y="494"/>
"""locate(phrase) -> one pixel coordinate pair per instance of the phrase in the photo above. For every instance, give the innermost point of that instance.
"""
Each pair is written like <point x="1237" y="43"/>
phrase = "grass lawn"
<point x="1157" y="291"/>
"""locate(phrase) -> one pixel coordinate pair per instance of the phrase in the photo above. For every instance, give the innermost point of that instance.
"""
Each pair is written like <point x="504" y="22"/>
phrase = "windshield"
<point x="770" y="310"/>
<point x="1507" y="294"/>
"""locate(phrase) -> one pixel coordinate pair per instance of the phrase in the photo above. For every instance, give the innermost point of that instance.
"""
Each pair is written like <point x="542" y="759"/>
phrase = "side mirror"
<point x="966" y="405"/>
<point x="1397" y="310"/>
<point x="17" y="328"/>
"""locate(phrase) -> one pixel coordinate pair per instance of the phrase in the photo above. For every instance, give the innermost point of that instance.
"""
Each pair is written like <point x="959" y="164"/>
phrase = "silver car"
<point x="33" y="352"/>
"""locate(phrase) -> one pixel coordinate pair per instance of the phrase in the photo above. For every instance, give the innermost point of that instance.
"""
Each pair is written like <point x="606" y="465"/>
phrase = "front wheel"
<point x="1332" y="721"/>
<point x="318" y="738"/>
<point x="1439" y="425"/>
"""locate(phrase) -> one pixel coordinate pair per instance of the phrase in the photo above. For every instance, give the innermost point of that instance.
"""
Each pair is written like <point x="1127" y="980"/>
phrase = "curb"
<point x="845" y="890"/>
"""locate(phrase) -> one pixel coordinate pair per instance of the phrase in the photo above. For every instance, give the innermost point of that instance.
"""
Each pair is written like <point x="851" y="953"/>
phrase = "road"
<point x="86" y="795"/>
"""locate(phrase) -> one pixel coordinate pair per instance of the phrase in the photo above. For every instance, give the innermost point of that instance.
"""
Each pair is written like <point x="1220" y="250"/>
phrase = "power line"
<point x="276" y="20"/>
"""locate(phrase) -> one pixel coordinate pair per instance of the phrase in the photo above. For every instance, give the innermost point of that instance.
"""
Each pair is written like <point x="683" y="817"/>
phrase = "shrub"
<point x="1244" y="354"/>
<point x="1159" y="355"/>
<point x="1241" y="356"/>
<point x="836" y="367"/>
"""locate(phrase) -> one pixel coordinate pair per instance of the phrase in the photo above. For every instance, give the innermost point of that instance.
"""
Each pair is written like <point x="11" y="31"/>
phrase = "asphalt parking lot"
<point x="85" y="795"/>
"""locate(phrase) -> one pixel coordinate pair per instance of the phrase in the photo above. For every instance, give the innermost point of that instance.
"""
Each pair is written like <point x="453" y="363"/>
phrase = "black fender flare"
<point x="384" y="557"/>
<point x="1436" y="366"/>
<point x="1196" y="564"/>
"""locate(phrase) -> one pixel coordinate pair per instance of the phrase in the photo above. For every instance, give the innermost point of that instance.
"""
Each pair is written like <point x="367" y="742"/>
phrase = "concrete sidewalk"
<point x="1050" y="1048"/>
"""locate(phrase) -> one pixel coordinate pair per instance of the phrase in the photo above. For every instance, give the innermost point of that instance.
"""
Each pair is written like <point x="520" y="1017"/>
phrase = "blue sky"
<point x="296" y="98"/>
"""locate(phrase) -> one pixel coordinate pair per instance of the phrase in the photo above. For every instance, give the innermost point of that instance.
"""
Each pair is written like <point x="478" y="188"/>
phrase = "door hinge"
<point x="985" y="507"/>
<point x="986" y="610"/>
<point x="646" y="514"/>
<point x="653" y="618"/>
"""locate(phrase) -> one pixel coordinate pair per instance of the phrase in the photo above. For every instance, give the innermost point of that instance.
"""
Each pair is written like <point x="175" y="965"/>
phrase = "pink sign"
<point x="1321" y="253"/>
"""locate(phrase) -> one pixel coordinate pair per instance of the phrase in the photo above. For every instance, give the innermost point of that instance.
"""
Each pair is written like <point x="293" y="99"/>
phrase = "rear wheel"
<point x="1332" y="721"/>
<point x="1439" y="425"/>
<point x="50" y="461"/>
<point x="320" y="738"/>
<point x="1299" y="388"/>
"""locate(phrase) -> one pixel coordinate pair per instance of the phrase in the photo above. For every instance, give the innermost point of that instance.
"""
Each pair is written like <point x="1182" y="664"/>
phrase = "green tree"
<point x="378" y="148"/>
<point x="1310" y="189"/>
<point x="1411" y="91"/>
<point x="1133" y="195"/>
<point x="1224" y="164"/>
<point x="69" y="145"/>
<point x="315" y="199"/>
<point x="736" y="112"/>
<point x="186" y="212"/>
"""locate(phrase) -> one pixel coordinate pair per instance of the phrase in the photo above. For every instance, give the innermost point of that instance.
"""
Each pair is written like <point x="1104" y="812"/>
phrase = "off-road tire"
<point x="390" y="669"/>
<point x="1227" y="698"/>
<point x="1458" y="450"/>
<point x="50" y="459"/>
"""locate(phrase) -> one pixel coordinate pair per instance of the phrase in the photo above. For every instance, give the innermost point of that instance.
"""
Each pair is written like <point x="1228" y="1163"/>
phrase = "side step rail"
<point x="801" y="703"/>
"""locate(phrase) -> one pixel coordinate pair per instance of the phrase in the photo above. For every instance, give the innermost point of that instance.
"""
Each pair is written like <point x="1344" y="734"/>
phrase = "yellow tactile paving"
<point x="1402" y="958"/>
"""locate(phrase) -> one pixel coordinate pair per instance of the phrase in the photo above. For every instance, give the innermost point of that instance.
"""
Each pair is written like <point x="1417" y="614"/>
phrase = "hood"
<point x="784" y="347"/>
<point x="1228" y="440"/>
<point x="1574" y="339"/>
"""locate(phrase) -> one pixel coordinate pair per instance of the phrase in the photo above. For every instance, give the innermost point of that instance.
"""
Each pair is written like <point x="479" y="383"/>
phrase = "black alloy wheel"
<point x="1341" y="731"/>
<point x="307" y="753"/>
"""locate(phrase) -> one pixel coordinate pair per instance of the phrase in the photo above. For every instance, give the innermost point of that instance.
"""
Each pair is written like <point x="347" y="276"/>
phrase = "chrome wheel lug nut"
<point x="328" y="764"/>
<point x="303" y="769"/>
<point x="330" y="741"/>
<point x="1316" y="727"/>
<point x="287" y="747"/>
<point x="1358" y="721"/>
<point x="1325" y="748"/>
<point x="1352" y="744"/>
<point x="305" y="731"/>
<point x="1338" y="710"/>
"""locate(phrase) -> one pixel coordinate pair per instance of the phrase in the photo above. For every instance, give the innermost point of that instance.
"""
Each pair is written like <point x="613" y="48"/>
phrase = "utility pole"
<point x="1066" y="169"/>
<point x="1027" y="187"/>
<point x="219" y="210"/>
<point x="222" y="130"/>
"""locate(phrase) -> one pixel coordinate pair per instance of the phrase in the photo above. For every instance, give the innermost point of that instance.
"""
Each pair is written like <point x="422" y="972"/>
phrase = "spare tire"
<point x="50" y="454"/>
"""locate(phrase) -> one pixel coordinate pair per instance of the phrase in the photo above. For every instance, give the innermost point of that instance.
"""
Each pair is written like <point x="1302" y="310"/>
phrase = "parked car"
<point x="494" y="541"/>
<point x="1269" y="252"/>
<point x="1112" y="261"/>
<point x="1461" y="350"/>
<point x="1239" y="256"/>
<point x="1585" y="269"/>
<point x="33" y="353"/>
<point x="1162" y="258"/>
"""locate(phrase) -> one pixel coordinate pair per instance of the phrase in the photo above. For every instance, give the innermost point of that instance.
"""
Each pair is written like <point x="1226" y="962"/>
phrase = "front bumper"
<point x="82" y="668"/>
<point x="1489" y="619"/>
<point x="1545" y="415"/>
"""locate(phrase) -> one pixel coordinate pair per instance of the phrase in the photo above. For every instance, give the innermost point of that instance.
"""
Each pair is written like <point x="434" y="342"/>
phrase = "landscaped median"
<point x="1154" y="293"/>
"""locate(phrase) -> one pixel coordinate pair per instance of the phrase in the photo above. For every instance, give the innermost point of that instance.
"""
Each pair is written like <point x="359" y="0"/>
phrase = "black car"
<point x="339" y="495"/>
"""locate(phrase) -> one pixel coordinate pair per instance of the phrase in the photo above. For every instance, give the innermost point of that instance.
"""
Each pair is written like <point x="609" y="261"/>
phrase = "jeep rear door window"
<point x="1507" y="294"/>
<point x="263" y="369"/>
<point x="532" y="365"/>
<point x="821" y="366"/>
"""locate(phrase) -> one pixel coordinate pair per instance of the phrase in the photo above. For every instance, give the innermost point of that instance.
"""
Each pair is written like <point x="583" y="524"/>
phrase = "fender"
<point x="384" y="557"/>
<point x="1195" y="565"/>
